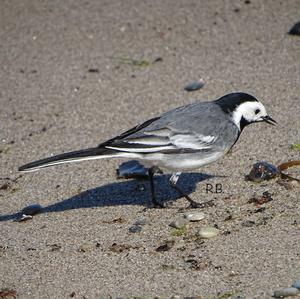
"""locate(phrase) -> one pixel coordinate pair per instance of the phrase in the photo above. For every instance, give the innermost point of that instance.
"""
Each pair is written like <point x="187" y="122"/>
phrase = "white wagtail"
<point x="184" y="138"/>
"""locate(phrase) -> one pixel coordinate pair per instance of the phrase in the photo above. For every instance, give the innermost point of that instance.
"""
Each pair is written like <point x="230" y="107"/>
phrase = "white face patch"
<point x="250" y="111"/>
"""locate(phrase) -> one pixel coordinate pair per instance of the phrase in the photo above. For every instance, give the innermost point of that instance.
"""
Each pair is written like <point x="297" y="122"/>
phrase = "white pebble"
<point x="178" y="223"/>
<point x="286" y="292"/>
<point x="196" y="216"/>
<point x="208" y="232"/>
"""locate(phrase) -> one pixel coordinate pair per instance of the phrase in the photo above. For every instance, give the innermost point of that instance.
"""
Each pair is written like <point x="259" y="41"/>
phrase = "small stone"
<point x="135" y="229"/>
<point x="248" y="223"/>
<point x="208" y="232"/>
<point x="93" y="70"/>
<point x="165" y="247"/>
<point x="85" y="247"/>
<point x="5" y="186"/>
<point x="196" y="216"/>
<point x="32" y="209"/>
<point x="262" y="171"/>
<point x="141" y="222"/>
<point x="266" y="197"/>
<point x="286" y="292"/>
<point x="296" y="284"/>
<point x="194" y="85"/>
<point x="118" y="248"/>
<point x="179" y="223"/>
<point x="193" y="264"/>
<point x="158" y="59"/>
<point x="55" y="247"/>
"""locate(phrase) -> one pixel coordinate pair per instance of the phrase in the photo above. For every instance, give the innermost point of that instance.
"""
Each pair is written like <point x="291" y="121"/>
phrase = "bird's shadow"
<point x="128" y="192"/>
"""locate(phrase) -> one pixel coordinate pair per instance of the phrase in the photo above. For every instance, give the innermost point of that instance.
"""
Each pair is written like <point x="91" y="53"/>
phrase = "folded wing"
<point x="162" y="140"/>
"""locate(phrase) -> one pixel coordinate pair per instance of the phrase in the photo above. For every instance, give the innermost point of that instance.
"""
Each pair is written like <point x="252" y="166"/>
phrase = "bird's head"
<point x="244" y="109"/>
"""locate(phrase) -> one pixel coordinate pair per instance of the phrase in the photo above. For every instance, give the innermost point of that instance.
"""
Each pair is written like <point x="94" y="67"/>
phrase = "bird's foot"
<point x="201" y="205"/>
<point x="158" y="205"/>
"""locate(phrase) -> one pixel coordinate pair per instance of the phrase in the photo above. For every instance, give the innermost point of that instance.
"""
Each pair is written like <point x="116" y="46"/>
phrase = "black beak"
<point x="269" y="120"/>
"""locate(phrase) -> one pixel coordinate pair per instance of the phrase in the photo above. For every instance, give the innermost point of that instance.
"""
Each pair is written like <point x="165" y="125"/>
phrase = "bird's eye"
<point x="257" y="111"/>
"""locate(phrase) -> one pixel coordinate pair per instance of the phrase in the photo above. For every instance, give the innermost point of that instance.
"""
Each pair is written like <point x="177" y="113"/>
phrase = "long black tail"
<point x="85" y="154"/>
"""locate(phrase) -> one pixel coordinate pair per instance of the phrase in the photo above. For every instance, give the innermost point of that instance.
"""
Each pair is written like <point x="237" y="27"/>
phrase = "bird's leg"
<point x="156" y="203"/>
<point x="173" y="181"/>
<point x="193" y="204"/>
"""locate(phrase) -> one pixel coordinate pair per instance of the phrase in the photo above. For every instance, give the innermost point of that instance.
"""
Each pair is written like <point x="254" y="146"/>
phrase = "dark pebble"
<point x="262" y="171"/>
<point x="194" y="86"/>
<point x="5" y="186"/>
<point x="266" y="197"/>
<point x="135" y="229"/>
<point x="93" y="70"/>
<point x="158" y="59"/>
<point x="165" y="247"/>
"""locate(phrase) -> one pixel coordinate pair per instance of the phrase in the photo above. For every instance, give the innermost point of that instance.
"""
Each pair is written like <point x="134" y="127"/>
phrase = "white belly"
<point x="180" y="162"/>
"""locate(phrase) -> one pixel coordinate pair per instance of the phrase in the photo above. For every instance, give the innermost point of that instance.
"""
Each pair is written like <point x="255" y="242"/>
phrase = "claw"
<point x="158" y="205"/>
<point x="198" y="205"/>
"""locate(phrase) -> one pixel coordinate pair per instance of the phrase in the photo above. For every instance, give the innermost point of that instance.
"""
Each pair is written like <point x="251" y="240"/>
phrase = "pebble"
<point x="208" y="232"/>
<point x="296" y="284"/>
<point x="266" y="197"/>
<point x="32" y="209"/>
<point x="55" y="247"/>
<point x="194" y="85"/>
<point x="196" y="216"/>
<point x="119" y="248"/>
<point x="286" y="292"/>
<point x="262" y="171"/>
<point x="248" y="223"/>
<point x="179" y="223"/>
<point x="85" y="247"/>
<point x="165" y="247"/>
<point x="141" y="222"/>
<point x="93" y="70"/>
<point x="135" y="229"/>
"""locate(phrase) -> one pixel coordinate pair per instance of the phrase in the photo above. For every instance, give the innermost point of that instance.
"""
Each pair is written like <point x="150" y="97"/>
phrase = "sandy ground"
<point x="51" y="103"/>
